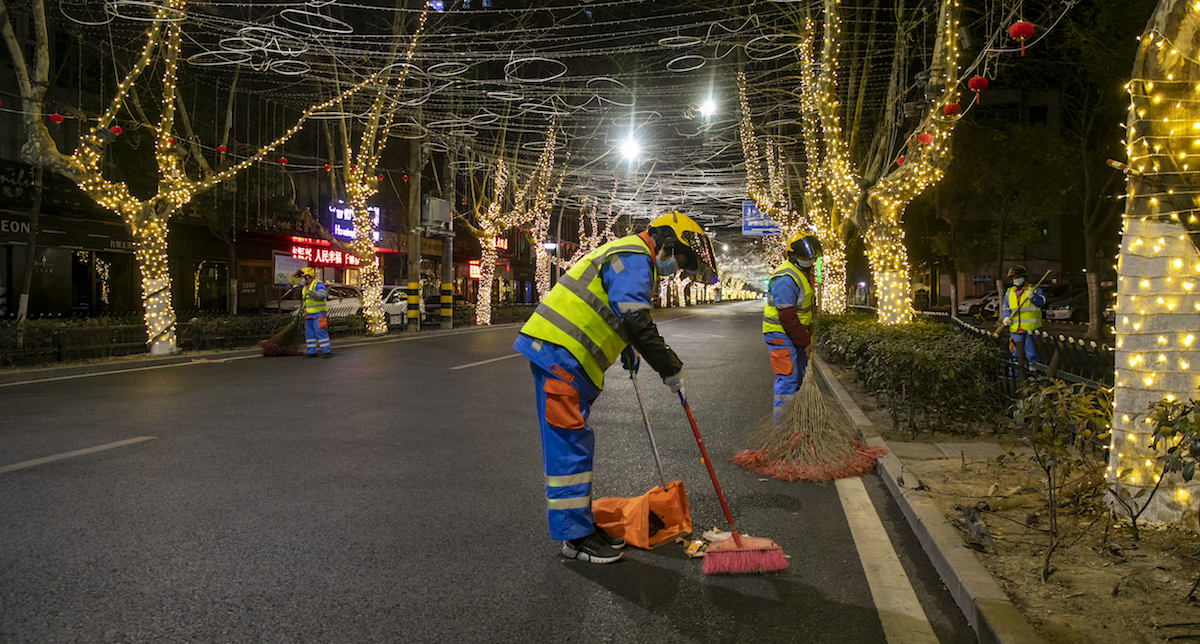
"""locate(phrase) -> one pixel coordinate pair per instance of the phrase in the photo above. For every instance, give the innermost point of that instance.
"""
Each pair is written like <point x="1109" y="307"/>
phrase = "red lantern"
<point x="404" y="178"/>
<point x="1020" y="32"/>
<point x="282" y="160"/>
<point x="900" y="160"/>
<point x="56" y="118"/>
<point x="116" y="129"/>
<point x="379" y="177"/>
<point x="221" y="149"/>
<point x="924" y="138"/>
<point x="977" y="85"/>
<point x="952" y="109"/>
<point x="328" y="167"/>
<point x="170" y="140"/>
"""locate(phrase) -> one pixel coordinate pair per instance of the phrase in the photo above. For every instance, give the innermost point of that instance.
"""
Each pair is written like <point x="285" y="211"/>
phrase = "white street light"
<point x="630" y="148"/>
<point x="708" y="108"/>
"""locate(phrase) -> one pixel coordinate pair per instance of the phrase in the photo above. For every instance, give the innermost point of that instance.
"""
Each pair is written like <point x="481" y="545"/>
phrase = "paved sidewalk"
<point x="987" y="607"/>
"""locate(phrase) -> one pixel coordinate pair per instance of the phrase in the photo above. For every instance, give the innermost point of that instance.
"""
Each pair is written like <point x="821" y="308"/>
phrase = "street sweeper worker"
<point x="599" y="310"/>
<point x="1022" y="312"/>
<point x="788" y="314"/>
<point x="316" y="322"/>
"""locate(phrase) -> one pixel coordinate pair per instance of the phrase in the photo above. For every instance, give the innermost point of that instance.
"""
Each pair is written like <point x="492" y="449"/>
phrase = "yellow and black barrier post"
<point x="414" y="307"/>
<point x="447" y="305"/>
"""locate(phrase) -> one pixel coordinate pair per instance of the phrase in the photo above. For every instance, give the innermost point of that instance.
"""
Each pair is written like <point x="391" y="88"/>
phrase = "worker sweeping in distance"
<point x="316" y="320"/>
<point x="1021" y="311"/>
<point x="788" y="315"/>
<point x="599" y="310"/>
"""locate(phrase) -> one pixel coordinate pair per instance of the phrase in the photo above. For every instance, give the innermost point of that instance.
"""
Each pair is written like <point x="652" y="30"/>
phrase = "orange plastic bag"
<point x="631" y="517"/>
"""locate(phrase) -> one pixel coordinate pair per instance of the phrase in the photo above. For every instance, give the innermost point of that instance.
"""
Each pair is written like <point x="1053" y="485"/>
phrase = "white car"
<point x="346" y="300"/>
<point x="976" y="305"/>
<point x="342" y="300"/>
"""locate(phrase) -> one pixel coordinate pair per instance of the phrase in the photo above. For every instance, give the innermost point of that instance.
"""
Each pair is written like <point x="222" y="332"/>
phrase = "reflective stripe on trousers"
<point x="567" y="462"/>
<point x="314" y="336"/>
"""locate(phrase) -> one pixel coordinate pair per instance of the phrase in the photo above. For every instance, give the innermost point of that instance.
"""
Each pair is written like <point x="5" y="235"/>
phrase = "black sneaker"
<point x="614" y="542"/>
<point x="592" y="548"/>
<point x="327" y="355"/>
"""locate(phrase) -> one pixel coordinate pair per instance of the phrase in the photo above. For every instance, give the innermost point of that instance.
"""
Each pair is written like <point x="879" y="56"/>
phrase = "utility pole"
<point x="447" y="291"/>
<point x="413" y="322"/>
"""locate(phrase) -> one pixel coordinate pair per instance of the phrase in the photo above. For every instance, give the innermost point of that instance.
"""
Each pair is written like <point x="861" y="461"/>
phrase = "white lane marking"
<point x="476" y="364"/>
<point x="684" y="317"/>
<point x="78" y="452"/>
<point x="904" y="621"/>
<point x="115" y="371"/>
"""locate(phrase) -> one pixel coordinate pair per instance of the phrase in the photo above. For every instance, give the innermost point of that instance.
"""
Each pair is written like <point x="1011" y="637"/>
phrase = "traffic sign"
<point x="754" y="222"/>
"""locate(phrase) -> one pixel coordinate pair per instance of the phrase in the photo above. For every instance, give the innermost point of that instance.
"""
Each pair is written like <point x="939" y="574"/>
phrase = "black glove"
<point x="630" y="359"/>
<point x="644" y="337"/>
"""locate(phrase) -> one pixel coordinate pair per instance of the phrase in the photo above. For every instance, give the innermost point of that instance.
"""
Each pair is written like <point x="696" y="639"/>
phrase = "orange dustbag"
<point x="647" y="519"/>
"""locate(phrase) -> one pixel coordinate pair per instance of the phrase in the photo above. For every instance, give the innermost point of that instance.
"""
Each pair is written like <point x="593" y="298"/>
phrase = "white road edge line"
<point x="78" y="452"/>
<point x="476" y="364"/>
<point x="904" y="621"/>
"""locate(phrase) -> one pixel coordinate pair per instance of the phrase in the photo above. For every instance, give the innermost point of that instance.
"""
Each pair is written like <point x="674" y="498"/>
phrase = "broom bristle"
<point x="757" y="555"/>
<point x="810" y="441"/>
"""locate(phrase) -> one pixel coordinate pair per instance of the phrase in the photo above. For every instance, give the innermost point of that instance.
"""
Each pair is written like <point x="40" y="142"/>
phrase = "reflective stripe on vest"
<point x="804" y="308"/>
<point x="312" y="304"/>
<point x="1025" y="316"/>
<point x="575" y="314"/>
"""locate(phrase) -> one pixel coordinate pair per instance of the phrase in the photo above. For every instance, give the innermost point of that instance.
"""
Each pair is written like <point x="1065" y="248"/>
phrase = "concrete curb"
<point x="12" y="377"/>
<point x="986" y="606"/>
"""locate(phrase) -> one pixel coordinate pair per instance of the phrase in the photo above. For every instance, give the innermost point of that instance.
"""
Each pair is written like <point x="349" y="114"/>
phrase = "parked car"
<point x="1073" y="309"/>
<point x="1052" y="292"/>
<point x="974" y="306"/>
<point x="342" y="300"/>
<point x="395" y="305"/>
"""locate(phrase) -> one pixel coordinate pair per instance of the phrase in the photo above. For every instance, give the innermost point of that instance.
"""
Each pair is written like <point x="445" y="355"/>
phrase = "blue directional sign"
<point x="754" y="222"/>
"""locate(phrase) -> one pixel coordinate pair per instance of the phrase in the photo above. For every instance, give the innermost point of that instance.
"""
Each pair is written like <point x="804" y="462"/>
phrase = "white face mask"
<point x="804" y="263"/>
<point x="1018" y="281"/>
<point x="667" y="267"/>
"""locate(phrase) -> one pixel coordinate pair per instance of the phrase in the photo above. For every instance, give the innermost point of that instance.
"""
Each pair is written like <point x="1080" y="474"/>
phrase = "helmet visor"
<point x="696" y="257"/>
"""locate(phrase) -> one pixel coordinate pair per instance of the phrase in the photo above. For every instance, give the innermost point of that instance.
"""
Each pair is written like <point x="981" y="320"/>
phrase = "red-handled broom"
<point x="739" y="555"/>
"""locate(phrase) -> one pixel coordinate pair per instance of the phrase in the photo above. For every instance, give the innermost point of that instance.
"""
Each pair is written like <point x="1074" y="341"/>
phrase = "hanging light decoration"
<point x="977" y="84"/>
<point x="1020" y="32"/>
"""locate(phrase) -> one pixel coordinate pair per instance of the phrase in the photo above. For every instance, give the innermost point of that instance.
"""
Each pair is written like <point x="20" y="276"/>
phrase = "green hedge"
<point x="928" y="373"/>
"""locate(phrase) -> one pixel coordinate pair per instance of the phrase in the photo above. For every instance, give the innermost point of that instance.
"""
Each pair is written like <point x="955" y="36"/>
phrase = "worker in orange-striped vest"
<point x="316" y="320"/>
<point x="599" y="311"/>
<point x="1021" y="310"/>
<point x="788" y="315"/>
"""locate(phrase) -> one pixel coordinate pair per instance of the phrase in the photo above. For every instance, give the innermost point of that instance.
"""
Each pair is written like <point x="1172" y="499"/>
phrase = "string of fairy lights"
<point x="478" y="76"/>
<point x="1158" y="267"/>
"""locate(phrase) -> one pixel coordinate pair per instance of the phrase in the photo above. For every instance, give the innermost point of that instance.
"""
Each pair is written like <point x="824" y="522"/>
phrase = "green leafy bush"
<point x="928" y="371"/>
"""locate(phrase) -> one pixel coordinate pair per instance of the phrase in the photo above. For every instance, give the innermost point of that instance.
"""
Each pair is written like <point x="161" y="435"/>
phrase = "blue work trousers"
<point x="568" y="445"/>
<point x="314" y="335"/>
<point x="1018" y="339"/>
<point x="789" y="364"/>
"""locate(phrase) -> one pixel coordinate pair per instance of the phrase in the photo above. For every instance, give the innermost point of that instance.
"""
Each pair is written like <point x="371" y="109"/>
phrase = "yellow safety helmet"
<point x="802" y="245"/>
<point x="690" y="245"/>
<point x="307" y="271"/>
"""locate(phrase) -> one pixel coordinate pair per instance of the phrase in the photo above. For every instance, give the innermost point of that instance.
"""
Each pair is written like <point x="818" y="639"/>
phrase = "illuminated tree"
<point x="147" y="219"/>
<point x="1158" y="270"/>
<point x="876" y="196"/>
<point x="358" y="173"/>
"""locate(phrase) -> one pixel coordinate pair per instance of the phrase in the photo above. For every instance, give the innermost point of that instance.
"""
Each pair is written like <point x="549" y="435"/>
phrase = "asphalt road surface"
<point x="394" y="493"/>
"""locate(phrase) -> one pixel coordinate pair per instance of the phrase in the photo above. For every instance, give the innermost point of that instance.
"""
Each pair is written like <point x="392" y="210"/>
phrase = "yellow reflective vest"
<point x="1025" y="315"/>
<point x="804" y="308"/>
<point x="575" y="314"/>
<point x="312" y="305"/>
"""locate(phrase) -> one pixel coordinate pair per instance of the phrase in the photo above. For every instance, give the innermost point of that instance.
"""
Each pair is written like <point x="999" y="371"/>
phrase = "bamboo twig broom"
<point x="811" y="441"/>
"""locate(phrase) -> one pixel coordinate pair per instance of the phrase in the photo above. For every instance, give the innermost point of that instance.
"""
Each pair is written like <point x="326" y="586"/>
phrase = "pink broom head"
<point x="757" y="555"/>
